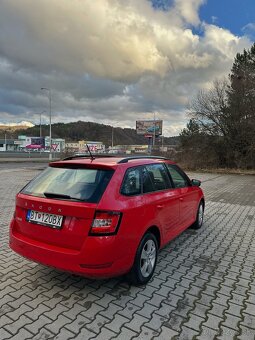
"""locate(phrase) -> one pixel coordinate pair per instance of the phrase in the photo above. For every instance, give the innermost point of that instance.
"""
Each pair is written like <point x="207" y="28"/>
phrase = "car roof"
<point x="109" y="161"/>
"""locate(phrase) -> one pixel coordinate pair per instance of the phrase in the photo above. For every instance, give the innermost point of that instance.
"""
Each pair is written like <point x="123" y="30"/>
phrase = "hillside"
<point x="9" y="128"/>
<point x="91" y="131"/>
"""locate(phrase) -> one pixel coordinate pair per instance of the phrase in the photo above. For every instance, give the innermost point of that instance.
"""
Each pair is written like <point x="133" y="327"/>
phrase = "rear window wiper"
<point x="63" y="196"/>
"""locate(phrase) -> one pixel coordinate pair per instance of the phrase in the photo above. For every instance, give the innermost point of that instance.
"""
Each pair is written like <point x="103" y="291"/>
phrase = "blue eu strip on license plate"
<point x="28" y="214"/>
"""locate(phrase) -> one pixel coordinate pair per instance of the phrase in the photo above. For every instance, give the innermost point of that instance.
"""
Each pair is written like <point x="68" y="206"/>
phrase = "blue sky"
<point x="230" y="14"/>
<point x="233" y="15"/>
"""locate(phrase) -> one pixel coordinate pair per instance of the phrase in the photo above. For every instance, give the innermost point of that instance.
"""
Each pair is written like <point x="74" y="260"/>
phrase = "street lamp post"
<point x="5" y="141"/>
<point x="49" y="90"/>
<point x="40" y="113"/>
<point x="40" y="124"/>
<point x="112" y="136"/>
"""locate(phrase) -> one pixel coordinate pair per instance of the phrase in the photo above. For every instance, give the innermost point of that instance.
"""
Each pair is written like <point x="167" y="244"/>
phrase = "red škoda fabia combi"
<point x="105" y="216"/>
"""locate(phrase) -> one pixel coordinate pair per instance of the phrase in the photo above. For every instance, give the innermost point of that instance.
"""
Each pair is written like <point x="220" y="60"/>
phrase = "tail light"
<point x="105" y="223"/>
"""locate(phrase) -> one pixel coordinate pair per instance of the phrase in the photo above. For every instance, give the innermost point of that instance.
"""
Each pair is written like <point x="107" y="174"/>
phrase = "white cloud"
<point x="188" y="10"/>
<point x="214" y="19"/>
<point x="108" y="59"/>
<point x="249" y="30"/>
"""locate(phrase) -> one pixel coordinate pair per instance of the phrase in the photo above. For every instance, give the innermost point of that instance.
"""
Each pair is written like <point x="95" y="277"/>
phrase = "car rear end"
<point x="58" y="220"/>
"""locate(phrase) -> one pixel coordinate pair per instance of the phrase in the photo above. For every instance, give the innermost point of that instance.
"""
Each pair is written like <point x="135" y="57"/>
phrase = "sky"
<point x="116" y="61"/>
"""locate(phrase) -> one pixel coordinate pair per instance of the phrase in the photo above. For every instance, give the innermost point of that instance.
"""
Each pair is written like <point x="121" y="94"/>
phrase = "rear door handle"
<point x="181" y="199"/>
<point x="160" y="206"/>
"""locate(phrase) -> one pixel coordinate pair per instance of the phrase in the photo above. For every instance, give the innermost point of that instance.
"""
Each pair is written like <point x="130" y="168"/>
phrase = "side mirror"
<point x="195" y="182"/>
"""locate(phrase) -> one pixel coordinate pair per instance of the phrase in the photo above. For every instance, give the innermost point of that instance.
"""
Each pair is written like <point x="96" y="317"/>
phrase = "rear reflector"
<point x="96" y="266"/>
<point x="105" y="223"/>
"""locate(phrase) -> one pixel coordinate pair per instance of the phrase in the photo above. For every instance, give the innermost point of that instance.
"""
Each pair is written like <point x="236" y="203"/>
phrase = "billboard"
<point x="147" y="127"/>
<point x="40" y="141"/>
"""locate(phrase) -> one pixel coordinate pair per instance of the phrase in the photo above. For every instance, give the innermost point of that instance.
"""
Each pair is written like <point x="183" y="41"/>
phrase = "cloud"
<point x="249" y="30"/>
<point x="188" y="10"/>
<point x="103" y="38"/>
<point x="214" y="19"/>
<point x="108" y="60"/>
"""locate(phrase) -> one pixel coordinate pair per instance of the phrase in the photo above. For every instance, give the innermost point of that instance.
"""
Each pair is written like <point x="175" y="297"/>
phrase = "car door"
<point x="186" y="194"/>
<point x="162" y="200"/>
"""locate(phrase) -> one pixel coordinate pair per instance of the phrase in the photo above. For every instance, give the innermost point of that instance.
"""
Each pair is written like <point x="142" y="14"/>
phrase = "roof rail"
<point x="125" y="160"/>
<point x="87" y="156"/>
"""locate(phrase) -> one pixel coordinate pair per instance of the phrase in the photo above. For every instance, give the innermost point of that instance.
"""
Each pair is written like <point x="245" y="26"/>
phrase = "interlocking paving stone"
<point x="207" y="334"/>
<point x="117" y="322"/>
<point x="231" y="321"/>
<point x="249" y="321"/>
<point x="21" y="334"/>
<point x="84" y="334"/>
<point x="35" y="326"/>
<point x="155" y="322"/>
<point x="96" y="325"/>
<point x="227" y="333"/>
<point x="203" y="287"/>
<point x="18" y="324"/>
<point x="246" y="333"/>
<point x="125" y="334"/>
<point x="146" y="333"/>
<point x="130" y="310"/>
<point x="187" y="333"/>
<point x="165" y="334"/>
<point x="194" y="322"/>
<point x="4" y="334"/>
<point x="64" y="334"/>
<point x="105" y="334"/>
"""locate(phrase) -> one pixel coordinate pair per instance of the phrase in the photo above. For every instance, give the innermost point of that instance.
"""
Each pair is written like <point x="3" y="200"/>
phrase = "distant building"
<point x="7" y="145"/>
<point x="40" y="143"/>
<point x="57" y="144"/>
<point x="31" y="143"/>
<point x="72" y="147"/>
<point x="128" y="149"/>
<point x="93" y="146"/>
<point x="81" y="146"/>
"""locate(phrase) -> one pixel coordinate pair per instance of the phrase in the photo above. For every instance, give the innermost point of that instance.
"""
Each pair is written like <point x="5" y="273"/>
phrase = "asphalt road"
<point x="26" y="155"/>
<point x="203" y="287"/>
<point x="22" y="165"/>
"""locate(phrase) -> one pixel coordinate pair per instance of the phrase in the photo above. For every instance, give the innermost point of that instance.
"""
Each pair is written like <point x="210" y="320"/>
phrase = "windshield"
<point x="87" y="185"/>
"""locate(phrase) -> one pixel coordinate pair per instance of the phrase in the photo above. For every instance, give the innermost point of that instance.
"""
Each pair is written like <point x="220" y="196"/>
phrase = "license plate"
<point x="50" y="220"/>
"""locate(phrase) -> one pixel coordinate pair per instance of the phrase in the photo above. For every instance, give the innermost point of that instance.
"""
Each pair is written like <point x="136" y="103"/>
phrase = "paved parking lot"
<point x="203" y="288"/>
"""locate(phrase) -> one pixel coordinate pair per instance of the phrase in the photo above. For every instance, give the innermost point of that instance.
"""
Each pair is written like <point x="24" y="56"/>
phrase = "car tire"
<point x="145" y="260"/>
<point x="200" y="217"/>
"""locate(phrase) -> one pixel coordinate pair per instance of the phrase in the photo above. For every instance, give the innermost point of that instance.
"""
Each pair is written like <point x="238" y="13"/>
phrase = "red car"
<point x="105" y="216"/>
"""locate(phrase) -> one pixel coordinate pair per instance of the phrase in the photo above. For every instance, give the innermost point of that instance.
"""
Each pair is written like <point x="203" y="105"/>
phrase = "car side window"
<point x="179" y="179"/>
<point x="132" y="182"/>
<point x="155" y="178"/>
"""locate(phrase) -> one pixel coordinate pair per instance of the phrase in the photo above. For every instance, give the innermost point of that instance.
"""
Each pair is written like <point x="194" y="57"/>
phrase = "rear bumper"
<point x="100" y="257"/>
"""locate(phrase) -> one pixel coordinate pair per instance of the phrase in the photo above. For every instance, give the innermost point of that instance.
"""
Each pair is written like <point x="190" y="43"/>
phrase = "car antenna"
<point x="91" y="156"/>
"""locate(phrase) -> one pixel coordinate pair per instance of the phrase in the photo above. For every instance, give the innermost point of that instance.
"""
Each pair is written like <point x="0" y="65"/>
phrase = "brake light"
<point x="105" y="223"/>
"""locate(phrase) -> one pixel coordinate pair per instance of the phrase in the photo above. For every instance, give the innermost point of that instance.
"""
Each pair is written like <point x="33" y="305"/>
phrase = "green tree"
<point x="242" y="107"/>
<point x="225" y="116"/>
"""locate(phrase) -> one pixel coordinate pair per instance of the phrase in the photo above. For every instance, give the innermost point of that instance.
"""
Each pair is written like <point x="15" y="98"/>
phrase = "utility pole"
<point x="154" y="131"/>
<point x="49" y="90"/>
<point x="112" y="136"/>
<point x="40" y="124"/>
<point x="113" y="133"/>
<point x="5" y="141"/>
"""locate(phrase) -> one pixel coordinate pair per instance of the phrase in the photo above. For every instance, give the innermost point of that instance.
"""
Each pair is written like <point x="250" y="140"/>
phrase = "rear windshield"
<point x="87" y="185"/>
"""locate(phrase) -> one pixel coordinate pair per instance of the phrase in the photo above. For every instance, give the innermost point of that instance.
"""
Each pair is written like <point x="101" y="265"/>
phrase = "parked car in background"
<point x="105" y="216"/>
